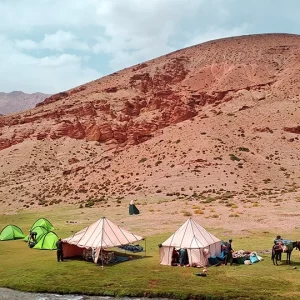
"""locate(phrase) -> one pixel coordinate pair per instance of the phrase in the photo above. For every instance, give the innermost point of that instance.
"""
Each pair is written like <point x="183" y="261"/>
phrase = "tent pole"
<point x="101" y="258"/>
<point x="145" y="247"/>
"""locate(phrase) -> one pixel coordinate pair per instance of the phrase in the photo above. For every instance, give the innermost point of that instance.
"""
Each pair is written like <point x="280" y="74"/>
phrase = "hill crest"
<point x="216" y="118"/>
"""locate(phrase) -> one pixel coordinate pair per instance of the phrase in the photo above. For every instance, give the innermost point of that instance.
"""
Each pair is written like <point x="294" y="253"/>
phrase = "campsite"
<point x="142" y="275"/>
<point x="150" y="149"/>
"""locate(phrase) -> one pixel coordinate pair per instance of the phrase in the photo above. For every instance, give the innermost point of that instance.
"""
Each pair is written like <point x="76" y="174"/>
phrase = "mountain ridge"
<point x="17" y="101"/>
<point x="219" y="118"/>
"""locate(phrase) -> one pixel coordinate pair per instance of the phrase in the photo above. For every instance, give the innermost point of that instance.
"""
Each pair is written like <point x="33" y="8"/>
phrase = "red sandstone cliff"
<point x="127" y="107"/>
<point x="220" y="114"/>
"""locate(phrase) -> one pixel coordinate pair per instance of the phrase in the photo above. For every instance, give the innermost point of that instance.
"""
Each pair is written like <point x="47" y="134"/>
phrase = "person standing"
<point x="183" y="258"/>
<point x="278" y="244"/>
<point x="59" y="250"/>
<point x="229" y="251"/>
<point x="32" y="239"/>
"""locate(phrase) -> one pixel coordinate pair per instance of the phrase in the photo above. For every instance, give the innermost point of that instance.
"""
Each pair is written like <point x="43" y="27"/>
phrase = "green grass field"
<point x="33" y="270"/>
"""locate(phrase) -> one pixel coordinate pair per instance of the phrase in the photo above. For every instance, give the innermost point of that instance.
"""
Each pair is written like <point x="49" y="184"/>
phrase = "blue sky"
<point x="53" y="45"/>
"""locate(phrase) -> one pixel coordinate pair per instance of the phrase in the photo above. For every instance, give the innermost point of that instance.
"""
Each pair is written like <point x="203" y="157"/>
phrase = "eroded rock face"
<point x="128" y="107"/>
<point x="295" y="129"/>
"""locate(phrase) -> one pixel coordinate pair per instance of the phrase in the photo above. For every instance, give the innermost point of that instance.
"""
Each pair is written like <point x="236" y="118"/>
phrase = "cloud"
<point x="62" y="40"/>
<point x="59" y="41"/>
<point x="59" y="60"/>
<point x="84" y="39"/>
<point x="216" y="33"/>
<point x="48" y="74"/>
<point x="135" y="31"/>
<point x="26" y="44"/>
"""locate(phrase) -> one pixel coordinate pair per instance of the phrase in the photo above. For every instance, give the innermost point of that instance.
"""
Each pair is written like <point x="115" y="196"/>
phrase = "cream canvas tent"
<point x="100" y="235"/>
<point x="194" y="238"/>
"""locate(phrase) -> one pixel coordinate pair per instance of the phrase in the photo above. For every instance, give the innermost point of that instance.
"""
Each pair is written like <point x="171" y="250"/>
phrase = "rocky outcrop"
<point x="295" y="129"/>
<point x="128" y="107"/>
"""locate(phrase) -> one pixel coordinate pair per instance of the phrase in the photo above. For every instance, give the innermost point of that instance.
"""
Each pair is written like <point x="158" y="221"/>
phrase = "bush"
<point x="142" y="160"/>
<point x="187" y="213"/>
<point x="234" y="157"/>
<point x="244" y="149"/>
<point x="234" y="215"/>
<point x="89" y="203"/>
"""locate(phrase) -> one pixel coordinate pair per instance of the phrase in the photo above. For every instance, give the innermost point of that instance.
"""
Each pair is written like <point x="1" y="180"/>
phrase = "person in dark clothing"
<point x="175" y="257"/>
<point x="229" y="251"/>
<point x="59" y="250"/>
<point x="32" y="239"/>
<point x="278" y="241"/>
<point x="33" y="235"/>
<point x="183" y="257"/>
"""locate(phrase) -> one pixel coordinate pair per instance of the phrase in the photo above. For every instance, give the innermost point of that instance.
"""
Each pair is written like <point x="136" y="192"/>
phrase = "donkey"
<point x="279" y="248"/>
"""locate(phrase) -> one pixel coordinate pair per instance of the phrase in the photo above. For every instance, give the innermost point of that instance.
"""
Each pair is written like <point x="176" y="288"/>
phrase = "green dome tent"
<point x="47" y="241"/>
<point x="11" y="232"/>
<point x="40" y="231"/>
<point x="43" y="223"/>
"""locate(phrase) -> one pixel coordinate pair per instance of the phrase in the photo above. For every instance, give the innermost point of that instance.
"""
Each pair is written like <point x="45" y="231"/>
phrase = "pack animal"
<point x="280" y="248"/>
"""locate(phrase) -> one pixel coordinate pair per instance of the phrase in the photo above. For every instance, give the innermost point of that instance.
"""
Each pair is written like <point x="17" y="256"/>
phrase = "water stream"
<point x="8" y="294"/>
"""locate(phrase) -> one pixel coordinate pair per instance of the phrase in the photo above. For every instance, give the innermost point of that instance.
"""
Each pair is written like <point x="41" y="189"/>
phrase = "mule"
<point x="278" y="249"/>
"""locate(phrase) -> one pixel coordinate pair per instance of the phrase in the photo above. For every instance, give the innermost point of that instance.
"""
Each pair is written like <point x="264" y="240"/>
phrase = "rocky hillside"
<point x="18" y="101"/>
<point x="219" y="120"/>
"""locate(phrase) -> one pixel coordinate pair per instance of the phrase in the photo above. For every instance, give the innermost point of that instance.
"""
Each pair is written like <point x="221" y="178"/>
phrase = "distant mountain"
<point x="18" y="101"/>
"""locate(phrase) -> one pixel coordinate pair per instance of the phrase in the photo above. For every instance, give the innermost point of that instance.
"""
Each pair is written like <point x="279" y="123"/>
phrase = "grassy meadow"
<point x="33" y="270"/>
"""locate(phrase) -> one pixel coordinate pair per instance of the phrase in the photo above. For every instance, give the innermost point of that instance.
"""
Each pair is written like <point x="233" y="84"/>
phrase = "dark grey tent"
<point x="133" y="210"/>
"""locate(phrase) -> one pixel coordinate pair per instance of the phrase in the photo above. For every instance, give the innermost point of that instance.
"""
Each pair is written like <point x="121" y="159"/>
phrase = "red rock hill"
<point x="249" y="85"/>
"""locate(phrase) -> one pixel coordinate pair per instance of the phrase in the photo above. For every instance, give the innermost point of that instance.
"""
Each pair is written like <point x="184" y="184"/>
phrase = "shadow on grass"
<point x="120" y="258"/>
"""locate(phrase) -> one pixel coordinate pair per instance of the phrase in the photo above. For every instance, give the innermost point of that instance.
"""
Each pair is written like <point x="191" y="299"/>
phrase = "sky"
<point x="50" y="46"/>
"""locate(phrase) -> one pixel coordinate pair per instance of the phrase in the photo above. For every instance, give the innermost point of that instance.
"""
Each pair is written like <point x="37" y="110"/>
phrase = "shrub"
<point x="234" y="215"/>
<point x="187" y="213"/>
<point x="234" y="157"/>
<point x="214" y="216"/>
<point x="142" y="160"/>
<point x="89" y="203"/>
<point x="244" y="149"/>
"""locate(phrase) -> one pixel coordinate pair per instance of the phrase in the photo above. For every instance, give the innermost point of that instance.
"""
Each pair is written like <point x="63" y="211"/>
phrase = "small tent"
<point x="197" y="242"/>
<point x="133" y="210"/>
<point x="100" y="235"/>
<point x="11" y="232"/>
<point x="47" y="241"/>
<point x="40" y="231"/>
<point x="42" y="222"/>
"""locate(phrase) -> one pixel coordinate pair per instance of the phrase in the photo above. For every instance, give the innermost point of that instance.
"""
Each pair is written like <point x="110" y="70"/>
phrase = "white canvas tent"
<point x="100" y="235"/>
<point x="194" y="238"/>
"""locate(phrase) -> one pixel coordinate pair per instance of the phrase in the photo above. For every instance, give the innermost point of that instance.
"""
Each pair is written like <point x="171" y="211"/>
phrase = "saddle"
<point x="278" y="248"/>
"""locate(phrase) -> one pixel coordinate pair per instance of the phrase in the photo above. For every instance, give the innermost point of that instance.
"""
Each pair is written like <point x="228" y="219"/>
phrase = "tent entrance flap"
<point x="197" y="241"/>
